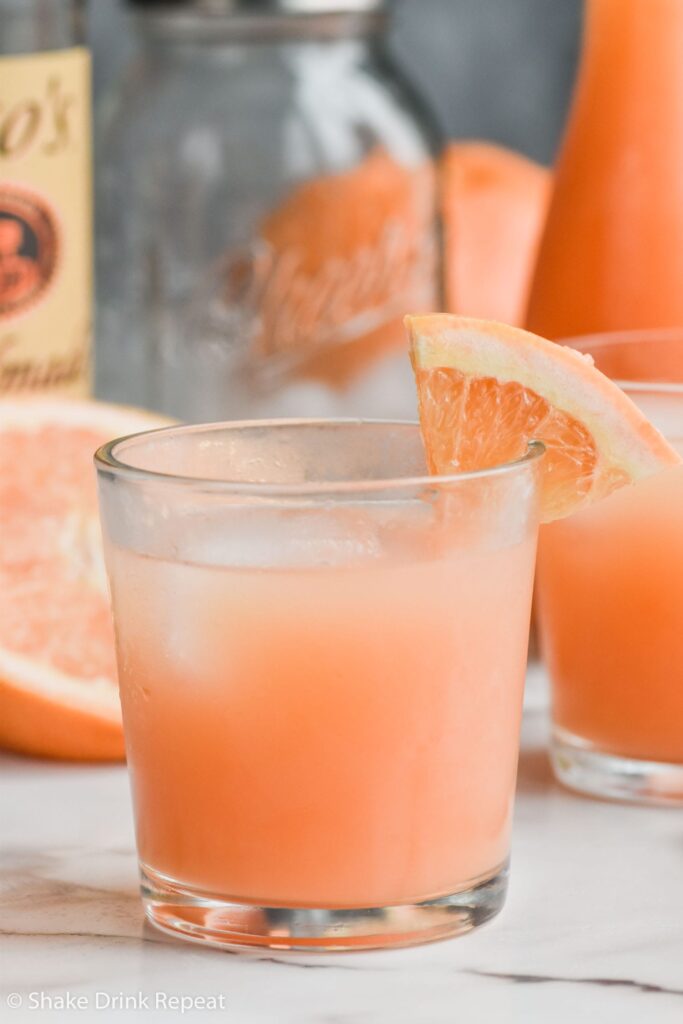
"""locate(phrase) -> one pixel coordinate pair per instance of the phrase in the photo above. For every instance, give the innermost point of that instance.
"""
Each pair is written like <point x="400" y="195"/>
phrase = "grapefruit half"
<point x="58" y="688"/>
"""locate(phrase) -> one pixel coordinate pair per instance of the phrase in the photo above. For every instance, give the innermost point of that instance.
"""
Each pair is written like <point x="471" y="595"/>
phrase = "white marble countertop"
<point x="593" y="927"/>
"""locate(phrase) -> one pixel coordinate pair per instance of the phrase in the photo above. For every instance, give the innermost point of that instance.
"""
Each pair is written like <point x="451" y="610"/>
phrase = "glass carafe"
<point x="612" y="254"/>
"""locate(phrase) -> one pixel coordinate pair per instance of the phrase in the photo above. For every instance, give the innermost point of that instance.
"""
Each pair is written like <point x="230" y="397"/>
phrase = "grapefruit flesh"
<point x="58" y="688"/>
<point x="494" y="203"/>
<point x="486" y="390"/>
<point x="347" y="249"/>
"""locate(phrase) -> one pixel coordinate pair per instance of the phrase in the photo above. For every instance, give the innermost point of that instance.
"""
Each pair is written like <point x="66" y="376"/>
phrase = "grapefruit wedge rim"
<point x="566" y="379"/>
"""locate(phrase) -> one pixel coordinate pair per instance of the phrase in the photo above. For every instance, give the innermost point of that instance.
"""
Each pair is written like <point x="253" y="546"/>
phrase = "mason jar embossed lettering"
<point x="266" y="213"/>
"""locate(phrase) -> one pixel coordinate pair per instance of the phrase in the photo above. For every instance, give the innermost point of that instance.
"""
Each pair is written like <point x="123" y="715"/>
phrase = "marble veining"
<point x="541" y="979"/>
<point x="593" y="925"/>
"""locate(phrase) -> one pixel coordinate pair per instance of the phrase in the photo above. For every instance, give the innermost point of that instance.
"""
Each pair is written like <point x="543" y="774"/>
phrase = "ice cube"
<point x="264" y="538"/>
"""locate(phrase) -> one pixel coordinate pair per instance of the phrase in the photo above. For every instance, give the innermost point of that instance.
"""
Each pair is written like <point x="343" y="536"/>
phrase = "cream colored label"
<point x="45" y="222"/>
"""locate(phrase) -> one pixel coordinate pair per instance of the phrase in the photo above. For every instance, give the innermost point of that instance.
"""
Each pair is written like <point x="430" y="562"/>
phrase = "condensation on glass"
<point x="266" y="213"/>
<point x="322" y="654"/>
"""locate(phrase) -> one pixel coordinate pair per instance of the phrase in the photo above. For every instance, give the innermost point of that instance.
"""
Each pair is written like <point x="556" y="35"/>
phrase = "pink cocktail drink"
<point x="322" y="697"/>
<point x="610" y="584"/>
<point x="324" y="737"/>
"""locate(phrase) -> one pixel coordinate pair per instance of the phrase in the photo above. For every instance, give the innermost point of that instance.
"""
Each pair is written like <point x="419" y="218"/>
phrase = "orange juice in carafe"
<point x="612" y="253"/>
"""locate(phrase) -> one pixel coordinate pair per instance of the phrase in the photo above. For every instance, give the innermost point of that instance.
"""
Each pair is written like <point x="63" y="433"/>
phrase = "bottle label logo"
<point x="29" y="249"/>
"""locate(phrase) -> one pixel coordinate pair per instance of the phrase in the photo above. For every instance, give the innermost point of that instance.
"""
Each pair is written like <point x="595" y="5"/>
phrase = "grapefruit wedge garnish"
<point x="58" y="689"/>
<point x="486" y="390"/>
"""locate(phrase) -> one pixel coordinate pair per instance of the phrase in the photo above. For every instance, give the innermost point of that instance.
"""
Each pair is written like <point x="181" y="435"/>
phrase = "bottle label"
<point x="45" y="222"/>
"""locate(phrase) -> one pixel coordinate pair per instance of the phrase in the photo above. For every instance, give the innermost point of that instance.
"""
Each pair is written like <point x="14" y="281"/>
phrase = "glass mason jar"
<point x="36" y="26"/>
<point x="266" y="213"/>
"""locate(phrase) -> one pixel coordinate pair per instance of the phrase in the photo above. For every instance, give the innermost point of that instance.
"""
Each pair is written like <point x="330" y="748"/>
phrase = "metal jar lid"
<point x="223" y="7"/>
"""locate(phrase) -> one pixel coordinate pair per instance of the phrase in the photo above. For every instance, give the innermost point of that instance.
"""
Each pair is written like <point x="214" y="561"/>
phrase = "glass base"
<point x="211" y="920"/>
<point x="580" y="767"/>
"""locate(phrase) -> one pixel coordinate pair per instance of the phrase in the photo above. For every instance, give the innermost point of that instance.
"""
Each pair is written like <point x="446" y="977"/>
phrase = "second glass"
<point x="611" y="603"/>
<point x="321" y="653"/>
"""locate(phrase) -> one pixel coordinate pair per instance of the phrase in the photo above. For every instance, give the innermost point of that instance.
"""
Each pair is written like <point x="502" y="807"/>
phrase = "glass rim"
<point x="602" y="339"/>
<point x="106" y="461"/>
